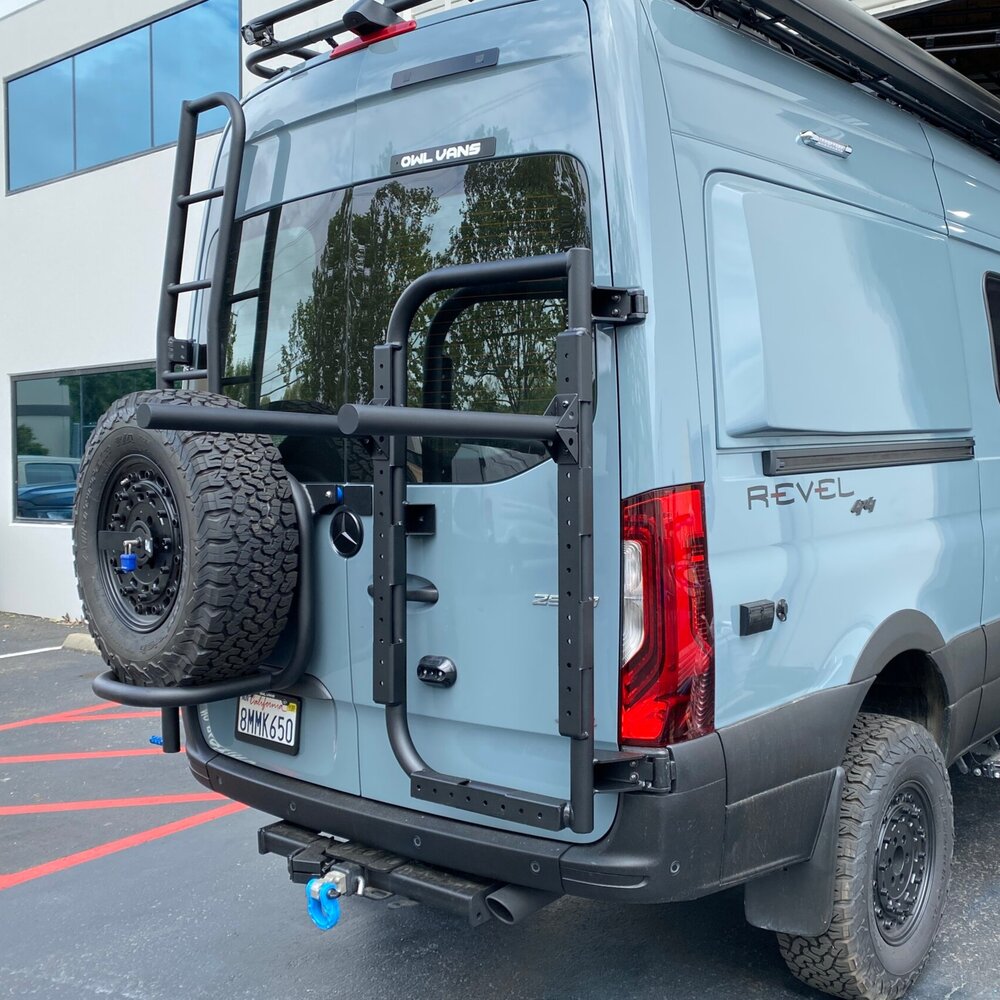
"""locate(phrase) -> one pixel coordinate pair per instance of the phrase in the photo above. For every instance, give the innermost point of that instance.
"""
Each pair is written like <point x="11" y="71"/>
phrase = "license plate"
<point x="269" y="720"/>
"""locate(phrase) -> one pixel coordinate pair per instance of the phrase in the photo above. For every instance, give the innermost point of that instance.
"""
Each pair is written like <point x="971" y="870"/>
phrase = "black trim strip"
<point x="483" y="59"/>
<point x="792" y="461"/>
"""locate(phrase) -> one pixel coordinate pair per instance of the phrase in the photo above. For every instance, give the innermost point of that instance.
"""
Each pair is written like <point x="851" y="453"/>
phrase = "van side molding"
<point x="838" y="458"/>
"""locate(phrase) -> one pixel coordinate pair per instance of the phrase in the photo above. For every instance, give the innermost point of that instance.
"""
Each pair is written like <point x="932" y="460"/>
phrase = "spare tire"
<point x="210" y="520"/>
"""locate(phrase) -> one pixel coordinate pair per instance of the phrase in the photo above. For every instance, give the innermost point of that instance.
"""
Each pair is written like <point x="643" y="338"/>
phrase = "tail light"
<point x="667" y="655"/>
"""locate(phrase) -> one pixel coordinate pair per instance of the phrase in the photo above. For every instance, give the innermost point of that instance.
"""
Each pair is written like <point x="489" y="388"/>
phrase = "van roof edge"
<point x="843" y="39"/>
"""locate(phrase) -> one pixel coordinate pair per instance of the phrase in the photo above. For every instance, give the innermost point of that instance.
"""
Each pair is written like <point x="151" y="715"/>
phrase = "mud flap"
<point x="799" y="899"/>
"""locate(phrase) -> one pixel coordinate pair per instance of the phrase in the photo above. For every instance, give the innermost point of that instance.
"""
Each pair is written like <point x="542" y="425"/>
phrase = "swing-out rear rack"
<point x="566" y="429"/>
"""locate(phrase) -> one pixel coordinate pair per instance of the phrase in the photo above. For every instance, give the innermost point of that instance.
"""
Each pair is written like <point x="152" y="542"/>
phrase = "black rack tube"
<point x="170" y="730"/>
<point x="369" y="421"/>
<point x="182" y="417"/>
<point x="390" y="418"/>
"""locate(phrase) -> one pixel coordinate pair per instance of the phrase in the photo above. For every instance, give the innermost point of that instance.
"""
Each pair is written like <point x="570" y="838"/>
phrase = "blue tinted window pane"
<point x="195" y="53"/>
<point x="53" y="417"/>
<point x="40" y="125"/>
<point x="112" y="99"/>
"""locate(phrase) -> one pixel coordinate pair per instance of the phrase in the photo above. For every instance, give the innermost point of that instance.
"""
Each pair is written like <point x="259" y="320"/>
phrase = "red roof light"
<point x="376" y="36"/>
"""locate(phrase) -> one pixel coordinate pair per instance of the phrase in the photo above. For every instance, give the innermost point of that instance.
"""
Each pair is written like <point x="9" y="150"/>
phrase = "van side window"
<point x="992" y="287"/>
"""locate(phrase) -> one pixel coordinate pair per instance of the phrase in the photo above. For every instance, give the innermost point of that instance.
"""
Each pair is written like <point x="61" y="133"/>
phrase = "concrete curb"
<point x="81" y="642"/>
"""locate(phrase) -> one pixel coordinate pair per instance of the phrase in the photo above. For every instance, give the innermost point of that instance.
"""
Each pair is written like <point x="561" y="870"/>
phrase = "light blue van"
<point x="581" y="476"/>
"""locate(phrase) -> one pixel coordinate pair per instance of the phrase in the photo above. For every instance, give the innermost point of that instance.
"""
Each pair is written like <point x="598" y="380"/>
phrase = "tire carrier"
<point x="566" y="428"/>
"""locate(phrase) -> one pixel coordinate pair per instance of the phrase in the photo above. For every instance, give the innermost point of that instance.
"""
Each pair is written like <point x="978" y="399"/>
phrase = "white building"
<point x="88" y="118"/>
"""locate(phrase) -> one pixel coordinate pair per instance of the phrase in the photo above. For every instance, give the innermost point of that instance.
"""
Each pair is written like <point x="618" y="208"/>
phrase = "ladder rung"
<point x="188" y="286"/>
<point x="184" y="376"/>
<point x="207" y="195"/>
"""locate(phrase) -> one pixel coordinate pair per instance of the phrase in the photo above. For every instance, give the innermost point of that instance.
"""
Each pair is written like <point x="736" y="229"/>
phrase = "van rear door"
<point x="330" y="267"/>
<point x="490" y="566"/>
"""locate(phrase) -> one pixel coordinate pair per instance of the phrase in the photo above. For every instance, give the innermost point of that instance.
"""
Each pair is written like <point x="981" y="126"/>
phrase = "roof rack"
<point x="362" y="18"/>
<point x="845" y="40"/>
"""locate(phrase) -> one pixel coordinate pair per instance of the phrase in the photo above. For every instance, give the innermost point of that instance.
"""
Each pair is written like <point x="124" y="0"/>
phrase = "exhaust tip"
<point x="500" y="910"/>
<point x="510" y="904"/>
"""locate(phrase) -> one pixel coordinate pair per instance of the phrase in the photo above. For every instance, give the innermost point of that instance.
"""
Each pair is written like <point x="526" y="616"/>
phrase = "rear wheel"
<point x="893" y="866"/>
<point x="208" y="531"/>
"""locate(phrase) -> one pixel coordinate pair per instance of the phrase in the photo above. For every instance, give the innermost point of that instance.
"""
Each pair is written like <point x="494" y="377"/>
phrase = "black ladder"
<point x="180" y="360"/>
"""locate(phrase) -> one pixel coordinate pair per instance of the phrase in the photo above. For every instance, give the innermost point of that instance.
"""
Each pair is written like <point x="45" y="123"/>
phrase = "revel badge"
<point x="438" y="156"/>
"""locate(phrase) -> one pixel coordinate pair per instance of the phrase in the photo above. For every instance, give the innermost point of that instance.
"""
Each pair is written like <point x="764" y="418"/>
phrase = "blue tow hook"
<point x="128" y="561"/>
<point x="323" y="901"/>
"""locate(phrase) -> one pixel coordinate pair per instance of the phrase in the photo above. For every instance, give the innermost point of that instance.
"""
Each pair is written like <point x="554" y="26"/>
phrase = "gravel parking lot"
<point x="121" y="877"/>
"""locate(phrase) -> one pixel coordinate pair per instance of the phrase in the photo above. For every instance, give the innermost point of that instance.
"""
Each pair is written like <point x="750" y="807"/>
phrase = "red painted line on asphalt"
<point x="31" y="808"/>
<point x="44" y="758"/>
<point x="113" y="846"/>
<point x="57" y="716"/>
<point x="110" y="717"/>
<point x="48" y="720"/>
<point x="107" y="705"/>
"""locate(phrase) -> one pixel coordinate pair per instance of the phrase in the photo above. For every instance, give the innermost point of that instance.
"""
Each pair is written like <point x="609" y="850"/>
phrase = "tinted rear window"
<point x="315" y="280"/>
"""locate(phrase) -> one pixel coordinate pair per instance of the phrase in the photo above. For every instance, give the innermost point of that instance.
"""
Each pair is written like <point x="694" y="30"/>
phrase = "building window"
<point x="53" y="417"/>
<point x="992" y="289"/>
<point x="121" y="97"/>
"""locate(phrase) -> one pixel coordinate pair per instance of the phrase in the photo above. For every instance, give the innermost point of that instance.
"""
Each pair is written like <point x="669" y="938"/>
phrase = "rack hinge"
<point x="621" y="306"/>
<point x="625" y="771"/>
<point x="187" y="353"/>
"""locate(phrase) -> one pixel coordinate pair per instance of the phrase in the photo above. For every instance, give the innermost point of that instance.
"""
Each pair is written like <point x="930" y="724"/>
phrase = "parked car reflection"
<point x="46" y="487"/>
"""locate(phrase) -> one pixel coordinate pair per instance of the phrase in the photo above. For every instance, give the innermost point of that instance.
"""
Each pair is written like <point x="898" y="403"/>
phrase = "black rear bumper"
<point x="719" y="826"/>
<point x="650" y="833"/>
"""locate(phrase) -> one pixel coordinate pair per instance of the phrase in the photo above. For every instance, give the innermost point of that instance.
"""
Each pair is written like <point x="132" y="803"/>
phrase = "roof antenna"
<point x="368" y="16"/>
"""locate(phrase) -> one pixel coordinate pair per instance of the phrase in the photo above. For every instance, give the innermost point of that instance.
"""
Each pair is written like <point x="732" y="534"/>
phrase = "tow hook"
<point x="128" y="561"/>
<point x="323" y="894"/>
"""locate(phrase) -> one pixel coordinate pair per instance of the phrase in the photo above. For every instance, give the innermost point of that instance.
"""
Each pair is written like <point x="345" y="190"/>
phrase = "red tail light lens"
<point x="376" y="36"/>
<point x="668" y="655"/>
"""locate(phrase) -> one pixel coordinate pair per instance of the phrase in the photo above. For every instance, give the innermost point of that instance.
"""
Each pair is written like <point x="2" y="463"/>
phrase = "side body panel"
<point x="855" y="233"/>
<point x="661" y="433"/>
<point x="970" y="190"/>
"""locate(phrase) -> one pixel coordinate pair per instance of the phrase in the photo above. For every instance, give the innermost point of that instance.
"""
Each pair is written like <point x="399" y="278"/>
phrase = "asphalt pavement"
<point x="122" y="877"/>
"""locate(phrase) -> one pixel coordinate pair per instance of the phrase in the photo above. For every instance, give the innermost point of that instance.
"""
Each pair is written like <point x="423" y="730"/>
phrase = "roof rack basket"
<point x="358" y="19"/>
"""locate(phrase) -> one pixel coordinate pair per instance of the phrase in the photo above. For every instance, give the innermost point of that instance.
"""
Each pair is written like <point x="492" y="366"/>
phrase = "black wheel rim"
<point x="904" y="863"/>
<point x="138" y="506"/>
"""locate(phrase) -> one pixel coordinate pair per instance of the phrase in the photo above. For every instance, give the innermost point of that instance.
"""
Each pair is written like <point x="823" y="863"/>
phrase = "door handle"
<point x="418" y="590"/>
